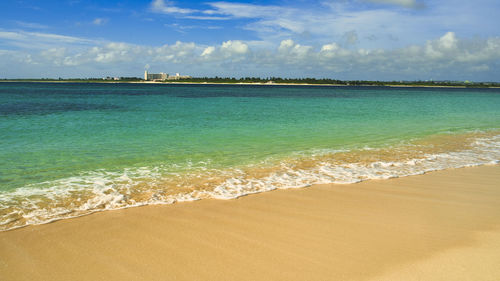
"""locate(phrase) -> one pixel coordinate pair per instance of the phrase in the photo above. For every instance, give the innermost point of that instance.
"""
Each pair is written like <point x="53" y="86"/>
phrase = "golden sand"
<point x="439" y="226"/>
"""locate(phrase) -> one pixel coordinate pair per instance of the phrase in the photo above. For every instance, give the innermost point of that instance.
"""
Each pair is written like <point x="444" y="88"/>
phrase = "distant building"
<point x="163" y="76"/>
<point x="177" y="76"/>
<point x="155" y="76"/>
<point x="111" y="78"/>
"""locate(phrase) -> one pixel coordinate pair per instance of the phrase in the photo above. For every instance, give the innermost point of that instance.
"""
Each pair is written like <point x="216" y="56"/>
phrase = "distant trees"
<point x="279" y="80"/>
<point x="329" y="81"/>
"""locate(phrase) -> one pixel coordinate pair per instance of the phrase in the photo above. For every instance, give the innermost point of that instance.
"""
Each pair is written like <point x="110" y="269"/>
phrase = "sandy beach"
<point x="438" y="226"/>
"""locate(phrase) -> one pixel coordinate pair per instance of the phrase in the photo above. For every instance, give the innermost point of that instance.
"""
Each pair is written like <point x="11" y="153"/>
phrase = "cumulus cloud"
<point x="179" y="52"/>
<point x="208" y="51"/>
<point x="448" y="41"/>
<point x="293" y="52"/>
<point x="330" y="47"/>
<point x="234" y="47"/>
<point x="227" y="53"/>
<point x="444" y="45"/>
<point x="447" y="56"/>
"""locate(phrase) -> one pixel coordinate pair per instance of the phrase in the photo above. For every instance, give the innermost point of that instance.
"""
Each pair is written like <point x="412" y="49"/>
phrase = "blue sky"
<point x="343" y="39"/>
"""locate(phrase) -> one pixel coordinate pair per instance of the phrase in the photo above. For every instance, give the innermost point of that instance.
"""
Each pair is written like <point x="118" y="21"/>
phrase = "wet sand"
<point x="439" y="226"/>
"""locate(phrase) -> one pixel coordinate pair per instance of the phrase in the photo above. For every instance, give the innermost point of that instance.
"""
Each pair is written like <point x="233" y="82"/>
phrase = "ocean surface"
<point x="68" y="150"/>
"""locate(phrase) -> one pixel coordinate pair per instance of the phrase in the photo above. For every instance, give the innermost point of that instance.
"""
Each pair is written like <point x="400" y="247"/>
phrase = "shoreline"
<point x="250" y="84"/>
<point x="338" y="168"/>
<point x="395" y="229"/>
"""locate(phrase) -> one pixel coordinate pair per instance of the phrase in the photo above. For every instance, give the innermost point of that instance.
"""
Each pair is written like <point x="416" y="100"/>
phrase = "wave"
<point x="106" y="190"/>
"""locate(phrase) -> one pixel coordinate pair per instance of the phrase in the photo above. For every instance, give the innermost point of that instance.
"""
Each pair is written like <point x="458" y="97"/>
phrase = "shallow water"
<point x="72" y="149"/>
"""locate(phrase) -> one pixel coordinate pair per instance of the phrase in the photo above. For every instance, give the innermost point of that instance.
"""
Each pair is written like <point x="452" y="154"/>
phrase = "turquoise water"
<point x="115" y="138"/>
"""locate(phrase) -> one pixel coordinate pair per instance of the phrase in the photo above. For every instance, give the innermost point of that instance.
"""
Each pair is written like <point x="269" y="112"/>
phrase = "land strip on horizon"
<point x="271" y="81"/>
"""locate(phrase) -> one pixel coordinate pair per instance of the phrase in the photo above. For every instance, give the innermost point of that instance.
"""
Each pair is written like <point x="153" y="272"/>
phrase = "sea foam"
<point x="106" y="190"/>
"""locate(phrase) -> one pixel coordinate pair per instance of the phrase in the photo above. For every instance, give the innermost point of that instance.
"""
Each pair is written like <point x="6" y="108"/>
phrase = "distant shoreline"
<point x="245" y="83"/>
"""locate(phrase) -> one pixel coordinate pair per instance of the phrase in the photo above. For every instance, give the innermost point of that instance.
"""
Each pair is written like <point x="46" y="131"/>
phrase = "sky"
<point x="338" y="39"/>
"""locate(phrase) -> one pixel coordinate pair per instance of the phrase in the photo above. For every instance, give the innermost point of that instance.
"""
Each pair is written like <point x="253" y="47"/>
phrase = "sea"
<point x="71" y="149"/>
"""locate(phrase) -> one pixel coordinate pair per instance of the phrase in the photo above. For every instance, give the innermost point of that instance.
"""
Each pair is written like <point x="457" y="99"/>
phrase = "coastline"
<point x="251" y="84"/>
<point x="440" y="225"/>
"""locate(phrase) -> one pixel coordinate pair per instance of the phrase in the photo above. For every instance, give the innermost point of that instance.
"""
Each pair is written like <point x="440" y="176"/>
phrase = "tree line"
<point x="279" y="80"/>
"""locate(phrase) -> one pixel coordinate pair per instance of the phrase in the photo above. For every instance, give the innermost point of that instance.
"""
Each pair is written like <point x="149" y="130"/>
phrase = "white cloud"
<point x="441" y="47"/>
<point x="54" y="55"/>
<point x="206" y="18"/>
<point x="293" y="51"/>
<point x="234" y="47"/>
<point x="240" y="10"/>
<point x="330" y="47"/>
<point x="180" y="52"/>
<point x="167" y="7"/>
<point x="13" y="36"/>
<point x="341" y="21"/>
<point x="99" y="21"/>
<point x="447" y="57"/>
<point x="286" y="45"/>
<point x="115" y="52"/>
<point x="403" y="3"/>
<point x="346" y="22"/>
<point x="448" y="41"/>
<point x="37" y="40"/>
<point x="208" y="51"/>
<point x="32" y="25"/>
<point x="229" y="52"/>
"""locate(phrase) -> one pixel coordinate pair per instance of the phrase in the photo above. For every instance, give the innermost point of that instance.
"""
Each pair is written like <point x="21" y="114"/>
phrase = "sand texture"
<point x="439" y="226"/>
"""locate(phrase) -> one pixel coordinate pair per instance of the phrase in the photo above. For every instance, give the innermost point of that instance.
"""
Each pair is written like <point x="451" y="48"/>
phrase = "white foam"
<point x="486" y="151"/>
<point x="104" y="190"/>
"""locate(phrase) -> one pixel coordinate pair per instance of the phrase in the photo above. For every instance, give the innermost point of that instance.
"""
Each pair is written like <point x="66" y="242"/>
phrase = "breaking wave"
<point x="108" y="190"/>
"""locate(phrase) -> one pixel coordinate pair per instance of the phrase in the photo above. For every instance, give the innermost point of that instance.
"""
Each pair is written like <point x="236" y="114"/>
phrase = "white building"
<point x="155" y="76"/>
<point x="177" y="76"/>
